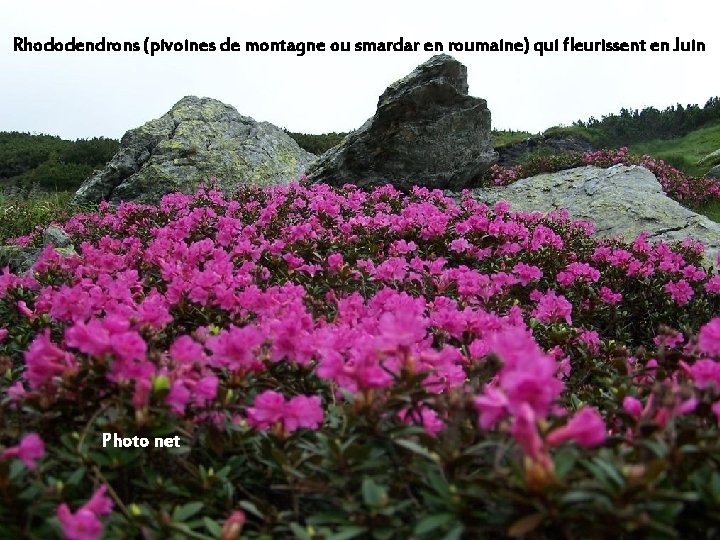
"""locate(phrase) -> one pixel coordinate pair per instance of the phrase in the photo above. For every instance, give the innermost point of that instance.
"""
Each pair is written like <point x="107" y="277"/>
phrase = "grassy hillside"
<point x="20" y="213"/>
<point x="509" y="136"/>
<point x="685" y="152"/>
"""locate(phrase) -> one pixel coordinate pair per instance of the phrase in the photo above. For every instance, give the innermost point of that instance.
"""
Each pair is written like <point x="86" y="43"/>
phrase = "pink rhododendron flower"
<point x="632" y="406"/>
<point x="681" y="292"/>
<point x="335" y="261"/>
<point x="429" y="419"/>
<point x="609" y="297"/>
<point x="300" y="411"/>
<point x="29" y="451"/>
<point x="268" y="408"/>
<point x="3" y="334"/>
<point x="99" y="503"/>
<point x="586" y="428"/>
<point x="709" y="337"/>
<point x="703" y="372"/>
<point x="491" y="406"/>
<point x="186" y="350"/>
<point x="591" y="339"/>
<point x="524" y="431"/>
<point x="44" y="360"/>
<point x="527" y="273"/>
<point x="233" y="526"/>
<point x="84" y="524"/>
<point x="303" y="411"/>
<point x="81" y="525"/>
<point x="178" y="397"/>
<point x="713" y="285"/>
<point x="553" y="307"/>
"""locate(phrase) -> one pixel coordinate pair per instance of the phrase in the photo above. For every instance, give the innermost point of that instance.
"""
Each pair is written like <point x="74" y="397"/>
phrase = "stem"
<point x="113" y="494"/>
<point x="87" y="426"/>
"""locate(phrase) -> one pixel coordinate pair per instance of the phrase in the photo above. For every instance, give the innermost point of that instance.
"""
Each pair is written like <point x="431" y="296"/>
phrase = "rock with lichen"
<point x="198" y="139"/>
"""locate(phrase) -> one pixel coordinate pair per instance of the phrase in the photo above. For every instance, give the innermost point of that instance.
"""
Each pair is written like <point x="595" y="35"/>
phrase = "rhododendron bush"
<point x="343" y="363"/>
<point x="691" y="191"/>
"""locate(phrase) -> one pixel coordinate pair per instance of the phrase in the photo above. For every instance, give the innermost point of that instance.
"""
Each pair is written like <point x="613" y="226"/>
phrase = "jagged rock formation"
<point x="197" y="139"/>
<point x="426" y="131"/>
<point x="516" y="153"/>
<point x="620" y="200"/>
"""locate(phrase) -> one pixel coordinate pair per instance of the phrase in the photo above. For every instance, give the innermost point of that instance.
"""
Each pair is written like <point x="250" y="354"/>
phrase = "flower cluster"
<point x="302" y="332"/>
<point x="688" y="190"/>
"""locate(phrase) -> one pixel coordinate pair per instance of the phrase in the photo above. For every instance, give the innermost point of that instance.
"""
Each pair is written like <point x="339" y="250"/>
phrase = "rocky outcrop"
<point x="21" y="259"/>
<point x="426" y="131"/>
<point x="714" y="172"/>
<point x="712" y="158"/>
<point x="620" y="200"/>
<point x="197" y="139"/>
<point x="516" y="153"/>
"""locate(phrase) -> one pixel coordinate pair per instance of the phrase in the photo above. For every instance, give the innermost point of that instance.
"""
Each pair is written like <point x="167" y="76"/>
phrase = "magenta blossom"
<point x="84" y="524"/>
<point x="586" y="428"/>
<point x="632" y="406"/>
<point x="709" y="337"/>
<point x="30" y="449"/>
<point x="300" y="411"/>
<point x="268" y="408"/>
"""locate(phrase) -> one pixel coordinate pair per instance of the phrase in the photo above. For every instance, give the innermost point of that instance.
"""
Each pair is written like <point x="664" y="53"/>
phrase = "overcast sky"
<point x="80" y="95"/>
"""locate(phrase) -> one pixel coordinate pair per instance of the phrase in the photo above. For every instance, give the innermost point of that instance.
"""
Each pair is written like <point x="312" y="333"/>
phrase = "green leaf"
<point x="565" y="462"/>
<point x="345" y="533"/>
<point x="75" y="478"/>
<point x="578" y="496"/>
<point x="432" y="522"/>
<point x="439" y="483"/>
<point x="455" y="533"/>
<point x="373" y="494"/>
<point x="250" y="507"/>
<point x="186" y="511"/>
<point x="610" y="471"/>
<point x="417" y="449"/>
<point x="212" y="527"/>
<point x="299" y="531"/>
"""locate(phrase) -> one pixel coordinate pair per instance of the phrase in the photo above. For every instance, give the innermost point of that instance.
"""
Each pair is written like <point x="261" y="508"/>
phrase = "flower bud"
<point x="233" y="526"/>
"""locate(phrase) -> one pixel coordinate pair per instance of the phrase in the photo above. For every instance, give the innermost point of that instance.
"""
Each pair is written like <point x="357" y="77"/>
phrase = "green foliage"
<point x="685" y="152"/>
<point x="49" y="162"/>
<point x="593" y="135"/>
<point x="317" y="144"/>
<point x="508" y="136"/>
<point x="634" y="126"/>
<point x="22" y="211"/>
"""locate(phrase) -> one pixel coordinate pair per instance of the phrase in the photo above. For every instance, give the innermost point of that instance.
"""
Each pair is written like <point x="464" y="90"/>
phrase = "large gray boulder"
<point x="197" y="139"/>
<point x="426" y="131"/>
<point x="714" y="172"/>
<point x="620" y="200"/>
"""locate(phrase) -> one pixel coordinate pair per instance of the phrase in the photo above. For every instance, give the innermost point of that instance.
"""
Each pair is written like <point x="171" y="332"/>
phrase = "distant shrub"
<point x="317" y="144"/>
<point x="634" y="126"/>
<point x="51" y="163"/>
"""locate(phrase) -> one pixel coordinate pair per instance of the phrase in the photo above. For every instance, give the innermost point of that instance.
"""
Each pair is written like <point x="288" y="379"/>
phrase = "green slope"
<point x="685" y="152"/>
